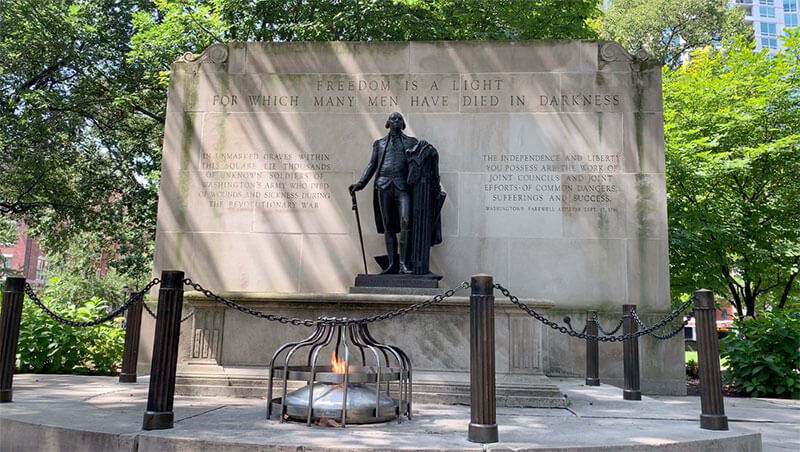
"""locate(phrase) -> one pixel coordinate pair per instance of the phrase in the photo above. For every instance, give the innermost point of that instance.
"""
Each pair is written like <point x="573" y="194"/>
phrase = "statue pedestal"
<point x="429" y="281"/>
<point x="224" y="352"/>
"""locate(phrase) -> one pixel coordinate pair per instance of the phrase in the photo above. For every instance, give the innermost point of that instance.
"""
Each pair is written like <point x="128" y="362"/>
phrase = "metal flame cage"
<point x="377" y="390"/>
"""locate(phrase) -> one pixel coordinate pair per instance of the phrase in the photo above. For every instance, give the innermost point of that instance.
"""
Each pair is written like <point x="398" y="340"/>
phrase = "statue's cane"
<point x="360" y="234"/>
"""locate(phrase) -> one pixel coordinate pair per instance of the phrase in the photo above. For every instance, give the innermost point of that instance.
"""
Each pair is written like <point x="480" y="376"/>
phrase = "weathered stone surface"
<point x="551" y="154"/>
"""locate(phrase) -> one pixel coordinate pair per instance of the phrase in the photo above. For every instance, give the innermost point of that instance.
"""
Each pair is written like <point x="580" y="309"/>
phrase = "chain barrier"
<point x="131" y="300"/>
<point x="147" y="308"/>
<point x="607" y="333"/>
<point x="596" y="319"/>
<point x="669" y="335"/>
<point x="568" y="321"/>
<point x="582" y="335"/>
<point x="331" y="321"/>
<point x="153" y="314"/>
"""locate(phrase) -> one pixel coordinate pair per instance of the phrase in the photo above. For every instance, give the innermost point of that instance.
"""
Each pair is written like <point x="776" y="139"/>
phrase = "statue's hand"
<point x="355" y="187"/>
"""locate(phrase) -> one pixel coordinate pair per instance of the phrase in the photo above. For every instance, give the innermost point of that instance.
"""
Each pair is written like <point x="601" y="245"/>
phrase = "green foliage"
<point x="8" y="235"/>
<point x="74" y="275"/>
<point x="763" y="354"/>
<point x="79" y="126"/>
<point x="692" y="369"/>
<point x="405" y="20"/>
<point x="732" y="129"/>
<point x="8" y="232"/>
<point x="668" y="28"/>
<point x="49" y="347"/>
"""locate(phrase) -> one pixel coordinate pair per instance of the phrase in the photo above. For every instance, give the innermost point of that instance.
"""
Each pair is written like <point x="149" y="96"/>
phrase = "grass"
<point x="692" y="356"/>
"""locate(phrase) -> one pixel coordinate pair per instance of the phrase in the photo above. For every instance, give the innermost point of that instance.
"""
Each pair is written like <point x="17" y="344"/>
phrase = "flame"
<point x="338" y="365"/>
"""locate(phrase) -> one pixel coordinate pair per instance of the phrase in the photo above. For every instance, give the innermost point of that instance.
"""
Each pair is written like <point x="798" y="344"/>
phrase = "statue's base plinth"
<point x="380" y="281"/>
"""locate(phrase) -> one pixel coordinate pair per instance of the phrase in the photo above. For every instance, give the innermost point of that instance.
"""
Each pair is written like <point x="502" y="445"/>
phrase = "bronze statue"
<point x="407" y="197"/>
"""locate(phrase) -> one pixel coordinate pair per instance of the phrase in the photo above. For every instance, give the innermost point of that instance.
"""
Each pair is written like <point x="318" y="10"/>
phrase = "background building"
<point x="25" y="258"/>
<point x="770" y="19"/>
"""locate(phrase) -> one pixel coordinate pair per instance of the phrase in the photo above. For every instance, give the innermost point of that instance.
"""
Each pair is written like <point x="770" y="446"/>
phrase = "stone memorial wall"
<point x="551" y="154"/>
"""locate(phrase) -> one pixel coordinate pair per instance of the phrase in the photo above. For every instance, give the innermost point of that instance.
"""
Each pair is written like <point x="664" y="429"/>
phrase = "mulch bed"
<point x="693" y="389"/>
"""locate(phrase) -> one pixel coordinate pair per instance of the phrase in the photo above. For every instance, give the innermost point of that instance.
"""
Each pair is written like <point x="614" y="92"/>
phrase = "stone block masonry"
<point x="551" y="152"/>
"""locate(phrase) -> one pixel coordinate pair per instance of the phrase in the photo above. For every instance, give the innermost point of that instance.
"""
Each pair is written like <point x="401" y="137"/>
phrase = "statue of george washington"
<point x="407" y="197"/>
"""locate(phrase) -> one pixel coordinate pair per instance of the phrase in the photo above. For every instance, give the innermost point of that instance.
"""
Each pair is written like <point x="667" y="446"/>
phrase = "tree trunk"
<point x="750" y="303"/>
<point x="786" y="289"/>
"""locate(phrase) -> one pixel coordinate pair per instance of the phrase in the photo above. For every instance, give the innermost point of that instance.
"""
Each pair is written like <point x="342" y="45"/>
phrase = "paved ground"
<point x="97" y="413"/>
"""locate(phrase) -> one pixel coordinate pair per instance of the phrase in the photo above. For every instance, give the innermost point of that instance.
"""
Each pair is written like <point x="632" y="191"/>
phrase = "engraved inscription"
<point x="566" y="183"/>
<point x="466" y="93"/>
<point x="246" y="181"/>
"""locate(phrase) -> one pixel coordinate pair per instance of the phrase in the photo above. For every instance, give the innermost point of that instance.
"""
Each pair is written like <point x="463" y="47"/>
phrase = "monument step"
<point x="538" y="395"/>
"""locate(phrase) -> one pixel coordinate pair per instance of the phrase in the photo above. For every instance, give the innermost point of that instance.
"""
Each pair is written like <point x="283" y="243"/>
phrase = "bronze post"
<point x="13" y="297"/>
<point x="483" y="407"/>
<point x="592" y="358"/>
<point x="159" y="413"/>
<point x="130" y="354"/>
<point x="630" y="355"/>
<point x="712" y="416"/>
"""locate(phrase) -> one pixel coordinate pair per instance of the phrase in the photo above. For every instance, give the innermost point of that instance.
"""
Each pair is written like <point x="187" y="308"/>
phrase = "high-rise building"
<point x="770" y="19"/>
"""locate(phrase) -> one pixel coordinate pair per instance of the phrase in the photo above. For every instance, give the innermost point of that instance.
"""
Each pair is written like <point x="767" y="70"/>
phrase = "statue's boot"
<point x="405" y="265"/>
<point x="391" y="251"/>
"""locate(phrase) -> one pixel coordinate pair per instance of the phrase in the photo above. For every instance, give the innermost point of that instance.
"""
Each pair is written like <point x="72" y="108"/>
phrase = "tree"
<point x="669" y="28"/>
<point x="732" y="126"/>
<point x="195" y="24"/>
<point x="83" y="93"/>
<point x="79" y="125"/>
<point x="406" y="20"/>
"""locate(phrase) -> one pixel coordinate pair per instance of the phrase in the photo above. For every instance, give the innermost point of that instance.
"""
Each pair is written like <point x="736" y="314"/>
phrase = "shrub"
<point x="763" y="354"/>
<point x="692" y="369"/>
<point x="47" y="346"/>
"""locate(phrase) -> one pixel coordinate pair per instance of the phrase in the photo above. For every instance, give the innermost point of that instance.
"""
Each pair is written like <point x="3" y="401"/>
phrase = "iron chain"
<point x="414" y="307"/>
<point x="608" y="333"/>
<point x="594" y="317"/>
<point x="669" y="335"/>
<point x="568" y="321"/>
<point x="245" y="309"/>
<point x="326" y="320"/>
<point x="147" y="308"/>
<point x="571" y="332"/>
<point x="153" y="314"/>
<point x="131" y="300"/>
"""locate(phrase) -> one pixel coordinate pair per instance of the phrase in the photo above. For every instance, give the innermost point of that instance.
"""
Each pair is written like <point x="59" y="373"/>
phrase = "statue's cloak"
<point x="427" y="199"/>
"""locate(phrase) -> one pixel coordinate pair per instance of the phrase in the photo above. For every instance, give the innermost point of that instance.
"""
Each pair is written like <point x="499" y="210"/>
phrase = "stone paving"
<point x="52" y="412"/>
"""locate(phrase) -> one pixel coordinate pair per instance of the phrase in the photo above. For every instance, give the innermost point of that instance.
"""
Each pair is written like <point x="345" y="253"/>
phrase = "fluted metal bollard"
<point x="159" y="413"/>
<point x="483" y="406"/>
<point x="712" y="416"/>
<point x="13" y="297"/>
<point x="130" y="354"/>
<point x="592" y="352"/>
<point x="630" y="355"/>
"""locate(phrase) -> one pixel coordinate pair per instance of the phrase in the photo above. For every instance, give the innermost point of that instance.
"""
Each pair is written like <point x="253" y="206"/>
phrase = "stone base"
<point x="226" y="352"/>
<point x="394" y="290"/>
<point x="451" y="388"/>
<point x="430" y="281"/>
